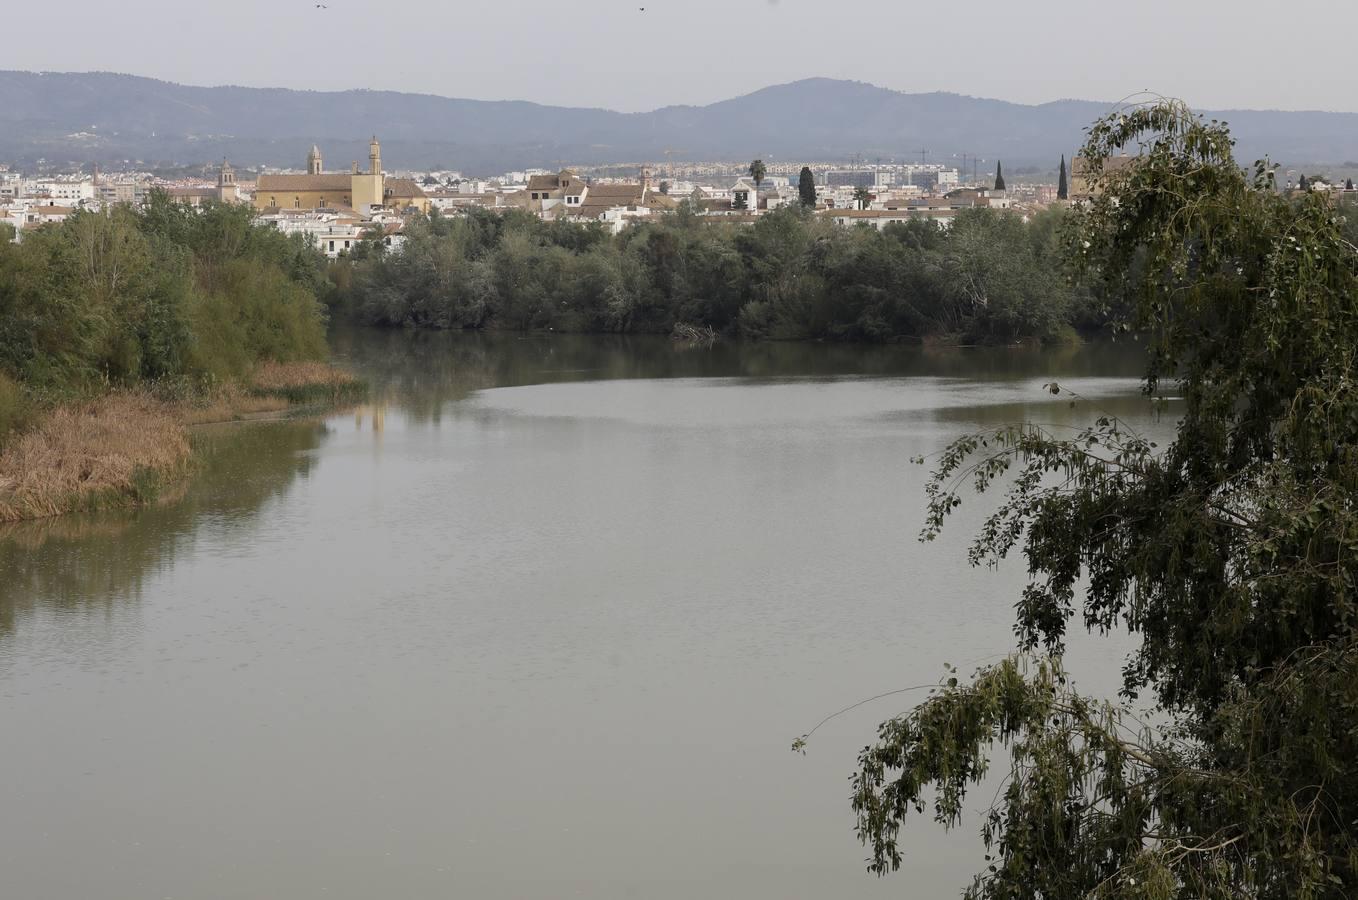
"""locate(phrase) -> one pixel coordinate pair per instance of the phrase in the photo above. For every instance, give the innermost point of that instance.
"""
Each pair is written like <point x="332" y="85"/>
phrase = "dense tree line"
<point x="989" y="277"/>
<point x="128" y="295"/>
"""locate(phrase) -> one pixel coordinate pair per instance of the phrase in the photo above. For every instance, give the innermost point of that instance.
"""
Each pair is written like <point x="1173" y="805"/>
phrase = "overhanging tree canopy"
<point x="1231" y="555"/>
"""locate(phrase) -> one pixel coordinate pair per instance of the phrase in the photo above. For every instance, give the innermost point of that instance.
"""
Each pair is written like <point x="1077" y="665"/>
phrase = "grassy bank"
<point x="125" y="447"/>
<point x="122" y="328"/>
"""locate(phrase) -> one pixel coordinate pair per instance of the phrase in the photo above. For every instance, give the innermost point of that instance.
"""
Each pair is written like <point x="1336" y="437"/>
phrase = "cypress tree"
<point x="1304" y="184"/>
<point x="806" y="187"/>
<point x="999" y="176"/>
<point x="1348" y="185"/>
<point x="1062" y="192"/>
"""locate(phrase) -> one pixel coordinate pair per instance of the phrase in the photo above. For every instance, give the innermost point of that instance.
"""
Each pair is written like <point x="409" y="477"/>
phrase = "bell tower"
<point x="313" y="161"/>
<point x="227" y="192"/>
<point x="368" y="189"/>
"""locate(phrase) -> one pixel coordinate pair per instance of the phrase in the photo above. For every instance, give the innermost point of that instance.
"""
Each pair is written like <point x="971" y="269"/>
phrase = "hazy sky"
<point x="1213" y="53"/>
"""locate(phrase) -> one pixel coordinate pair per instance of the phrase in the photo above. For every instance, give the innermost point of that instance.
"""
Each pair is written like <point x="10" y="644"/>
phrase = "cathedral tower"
<point x="368" y="189"/>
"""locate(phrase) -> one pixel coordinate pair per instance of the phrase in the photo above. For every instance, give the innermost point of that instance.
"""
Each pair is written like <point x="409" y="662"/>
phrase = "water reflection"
<point x="89" y="564"/>
<point x="537" y="592"/>
<point x="424" y="371"/>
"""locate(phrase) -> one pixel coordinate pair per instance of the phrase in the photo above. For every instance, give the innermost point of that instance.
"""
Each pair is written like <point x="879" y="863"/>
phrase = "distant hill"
<point x="104" y="117"/>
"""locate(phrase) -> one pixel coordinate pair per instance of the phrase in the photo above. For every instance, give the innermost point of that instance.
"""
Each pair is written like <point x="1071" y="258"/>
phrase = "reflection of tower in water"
<point x="377" y="412"/>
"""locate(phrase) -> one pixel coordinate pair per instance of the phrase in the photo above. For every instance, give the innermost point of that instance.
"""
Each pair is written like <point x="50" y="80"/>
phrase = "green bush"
<point x="255" y="313"/>
<point x="16" y="409"/>
<point x="166" y="292"/>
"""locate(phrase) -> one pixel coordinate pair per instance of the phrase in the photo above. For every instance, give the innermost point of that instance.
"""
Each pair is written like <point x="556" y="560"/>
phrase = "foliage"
<point x="999" y="176"/>
<point x="806" y="188"/>
<point x="15" y="407"/>
<point x="1062" y="187"/>
<point x="989" y="277"/>
<point x="124" y="296"/>
<point x="1229" y="556"/>
<point x="757" y="171"/>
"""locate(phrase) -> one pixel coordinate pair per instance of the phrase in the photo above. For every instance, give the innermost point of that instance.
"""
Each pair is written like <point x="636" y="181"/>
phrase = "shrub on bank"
<point x="122" y="297"/>
<point x="15" y="408"/>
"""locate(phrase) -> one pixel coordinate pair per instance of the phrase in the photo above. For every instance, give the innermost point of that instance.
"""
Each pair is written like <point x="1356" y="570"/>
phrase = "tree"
<point x="1062" y="191"/>
<point x="664" y="187"/>
<point x="740" y="202"/>
<point x="1303" y="184"/>
<point x="999" y="176"/>
<point x="806" y="188"/>
<point x="1228" y="557"/>
<point x="861" y="197"/>
<point x="1348" y="185"/>
<point x="757" y="172"/>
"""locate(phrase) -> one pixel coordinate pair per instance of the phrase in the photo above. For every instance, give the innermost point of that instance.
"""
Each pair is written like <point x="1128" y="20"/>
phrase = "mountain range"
<point x="107" y="118"/>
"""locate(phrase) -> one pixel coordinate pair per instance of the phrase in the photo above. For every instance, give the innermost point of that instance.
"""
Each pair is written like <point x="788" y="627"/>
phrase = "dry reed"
<point x="305" y="378"/>
<point x="110" y="451"/>
<point x="122" y="448"/>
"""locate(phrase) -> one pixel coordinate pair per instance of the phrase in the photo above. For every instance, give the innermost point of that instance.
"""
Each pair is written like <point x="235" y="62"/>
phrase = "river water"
<point x="540" y="622"/>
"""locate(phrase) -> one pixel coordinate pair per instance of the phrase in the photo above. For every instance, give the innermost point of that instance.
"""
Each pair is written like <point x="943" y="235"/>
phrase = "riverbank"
<point x="124" y="447"/>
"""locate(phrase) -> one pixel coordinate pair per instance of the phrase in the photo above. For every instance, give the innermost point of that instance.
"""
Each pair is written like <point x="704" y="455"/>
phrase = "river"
<point x="542" y="621"/>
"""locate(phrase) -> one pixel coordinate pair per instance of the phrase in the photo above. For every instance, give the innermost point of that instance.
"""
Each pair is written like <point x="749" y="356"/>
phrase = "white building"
<point x="744" y="196"/>
<point x="65" y="191"/>
<point x="334" y="233"/>
<point x="13" y="215"/>
<point x="881" y="218"/>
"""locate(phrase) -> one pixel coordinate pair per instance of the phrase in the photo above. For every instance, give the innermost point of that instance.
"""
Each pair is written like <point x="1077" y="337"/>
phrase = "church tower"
<point x="227" y="191"/>
<point x="368" y="188"/>
<point x="313" y="161"/>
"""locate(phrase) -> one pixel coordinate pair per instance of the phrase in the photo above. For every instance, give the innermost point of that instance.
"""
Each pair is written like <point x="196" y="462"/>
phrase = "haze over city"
<point x="616" y="55"/>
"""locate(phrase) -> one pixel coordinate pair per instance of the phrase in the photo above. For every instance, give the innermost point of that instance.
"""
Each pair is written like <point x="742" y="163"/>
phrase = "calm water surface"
<point x="542" y="622"/>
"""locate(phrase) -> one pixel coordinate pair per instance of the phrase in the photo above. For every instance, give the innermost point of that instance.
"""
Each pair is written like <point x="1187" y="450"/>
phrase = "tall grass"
<point x="116" y="450"/>
<point x="306" y="382"/>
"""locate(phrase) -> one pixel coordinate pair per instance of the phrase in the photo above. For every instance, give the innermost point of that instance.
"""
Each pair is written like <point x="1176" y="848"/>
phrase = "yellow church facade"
<point x="355" y="190"/>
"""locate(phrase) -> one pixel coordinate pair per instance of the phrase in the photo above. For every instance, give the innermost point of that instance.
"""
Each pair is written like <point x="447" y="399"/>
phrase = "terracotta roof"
<point x="285" y="183"/>
<point x="615" y="192"/>
<point x="574" y="183"/>
<point x="403" y="188"/>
